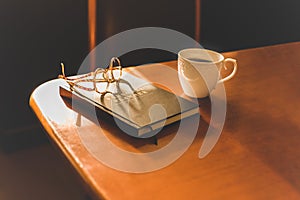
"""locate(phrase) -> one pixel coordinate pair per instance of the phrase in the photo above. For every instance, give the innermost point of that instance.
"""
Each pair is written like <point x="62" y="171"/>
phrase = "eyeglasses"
<point x="97" y="80"/>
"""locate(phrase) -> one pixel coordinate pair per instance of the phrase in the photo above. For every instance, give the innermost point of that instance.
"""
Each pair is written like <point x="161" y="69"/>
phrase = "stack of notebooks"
<point x="137" y="106"/>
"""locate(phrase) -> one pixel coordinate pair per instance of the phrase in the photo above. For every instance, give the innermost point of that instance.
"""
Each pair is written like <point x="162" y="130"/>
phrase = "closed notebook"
<point x="137" y="106"/>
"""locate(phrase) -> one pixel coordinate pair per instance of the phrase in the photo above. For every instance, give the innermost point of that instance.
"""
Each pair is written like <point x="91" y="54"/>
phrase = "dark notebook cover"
<point x="137" y="106"/>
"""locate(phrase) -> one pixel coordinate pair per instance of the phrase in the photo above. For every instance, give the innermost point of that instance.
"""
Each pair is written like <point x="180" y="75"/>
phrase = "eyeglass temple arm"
<point x="62" y="71"/>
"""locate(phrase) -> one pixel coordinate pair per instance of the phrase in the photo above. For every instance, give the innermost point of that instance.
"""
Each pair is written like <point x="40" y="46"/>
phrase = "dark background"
<point x="36" y="35"/>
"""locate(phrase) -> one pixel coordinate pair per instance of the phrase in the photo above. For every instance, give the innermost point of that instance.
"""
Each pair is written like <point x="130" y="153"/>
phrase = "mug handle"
<point x="227" y="60"/>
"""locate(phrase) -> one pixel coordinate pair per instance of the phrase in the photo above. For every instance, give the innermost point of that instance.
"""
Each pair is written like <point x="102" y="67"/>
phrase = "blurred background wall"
<point x="36" y="35"/>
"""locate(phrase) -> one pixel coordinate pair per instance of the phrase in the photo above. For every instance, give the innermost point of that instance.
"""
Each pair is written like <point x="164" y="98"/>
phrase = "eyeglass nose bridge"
<point x="108" y="74"/>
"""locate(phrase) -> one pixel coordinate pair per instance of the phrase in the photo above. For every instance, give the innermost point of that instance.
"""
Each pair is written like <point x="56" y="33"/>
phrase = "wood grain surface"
<point x="256" y="157"/>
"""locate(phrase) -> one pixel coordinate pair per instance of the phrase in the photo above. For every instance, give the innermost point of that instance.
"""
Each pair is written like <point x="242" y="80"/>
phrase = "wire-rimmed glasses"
<point x="97" y="80"/>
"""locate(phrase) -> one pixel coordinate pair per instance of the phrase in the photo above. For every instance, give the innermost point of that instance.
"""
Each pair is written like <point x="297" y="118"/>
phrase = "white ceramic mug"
<point x="199" y="71"/>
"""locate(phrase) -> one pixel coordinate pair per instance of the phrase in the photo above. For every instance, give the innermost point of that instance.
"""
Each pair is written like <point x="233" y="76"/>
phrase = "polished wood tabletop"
<point x="256" y="157"/>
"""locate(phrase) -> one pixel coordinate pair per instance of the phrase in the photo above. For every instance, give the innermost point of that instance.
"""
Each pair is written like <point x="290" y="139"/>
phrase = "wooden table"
<point x="256" y="157"/>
